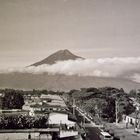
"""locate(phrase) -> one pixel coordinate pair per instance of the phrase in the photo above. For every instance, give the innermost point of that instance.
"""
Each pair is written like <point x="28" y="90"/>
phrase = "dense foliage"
<point x="102" y="101"/>
<point x="12" y="100"/>
<point x="22" y="122"/>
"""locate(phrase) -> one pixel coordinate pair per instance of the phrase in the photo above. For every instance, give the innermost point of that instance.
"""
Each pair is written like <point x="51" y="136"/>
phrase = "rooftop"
<point x="133" y="115"/>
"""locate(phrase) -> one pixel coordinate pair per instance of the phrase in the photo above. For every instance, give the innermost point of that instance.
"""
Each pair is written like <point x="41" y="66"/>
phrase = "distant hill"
<point x="60" y="55"/>
<point x="62" y="82"/>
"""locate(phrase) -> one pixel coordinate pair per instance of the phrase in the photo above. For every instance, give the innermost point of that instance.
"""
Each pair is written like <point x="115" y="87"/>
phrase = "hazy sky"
<point x="30" y="30"/>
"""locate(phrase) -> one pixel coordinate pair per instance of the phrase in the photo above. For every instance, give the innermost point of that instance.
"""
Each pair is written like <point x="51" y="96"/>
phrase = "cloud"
<point x="102" y="67"/>
<point x="136" y="77"/>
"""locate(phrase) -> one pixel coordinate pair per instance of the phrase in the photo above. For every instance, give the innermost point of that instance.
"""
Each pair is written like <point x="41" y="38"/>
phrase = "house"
<point x="46" y="107"/>
<point x="132" y="119"/>
<point x="53" y="100"/>
<point x="67" y="127"/>
<point x="60" y="117"/>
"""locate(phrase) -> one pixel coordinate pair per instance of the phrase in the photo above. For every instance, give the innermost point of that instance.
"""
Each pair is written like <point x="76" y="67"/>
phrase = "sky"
<point x="30" y="30"/>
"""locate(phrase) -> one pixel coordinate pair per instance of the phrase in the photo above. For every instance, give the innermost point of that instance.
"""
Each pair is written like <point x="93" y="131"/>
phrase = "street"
<point x="92" y="133"/>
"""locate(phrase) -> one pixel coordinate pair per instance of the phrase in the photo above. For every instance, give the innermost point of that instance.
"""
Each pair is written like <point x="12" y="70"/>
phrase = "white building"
<point x="131" y="119"/>
<point x="67" y="127"/>
<point x="60" y="118"/>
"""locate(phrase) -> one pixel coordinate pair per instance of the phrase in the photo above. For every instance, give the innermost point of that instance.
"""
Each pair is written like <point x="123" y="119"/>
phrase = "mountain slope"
<point x="57" y="56"/>
<point x="61" y="82"/>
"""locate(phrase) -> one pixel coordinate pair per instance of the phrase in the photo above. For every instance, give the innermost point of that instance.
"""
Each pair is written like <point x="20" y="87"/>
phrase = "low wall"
<point x="68" y="133"/>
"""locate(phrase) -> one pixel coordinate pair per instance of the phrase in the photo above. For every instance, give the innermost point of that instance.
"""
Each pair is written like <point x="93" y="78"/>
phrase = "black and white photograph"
<point x="69" y="69"/>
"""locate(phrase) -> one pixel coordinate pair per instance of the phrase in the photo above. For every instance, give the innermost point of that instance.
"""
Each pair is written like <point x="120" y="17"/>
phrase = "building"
<point x="132" y="119"/>
<point x="60" y="117"/>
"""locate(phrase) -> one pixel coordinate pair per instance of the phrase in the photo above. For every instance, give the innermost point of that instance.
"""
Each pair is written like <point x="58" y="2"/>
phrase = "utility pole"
<point x="73" y="107"/>
<point x="137" y="113"/>
<point x="116" y="110"/>
<point x="136" y="119"/>
<point x="84" y="121"/>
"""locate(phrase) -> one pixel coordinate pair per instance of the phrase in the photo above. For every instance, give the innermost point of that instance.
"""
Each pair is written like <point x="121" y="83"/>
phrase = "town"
<point x="52" y="115"/>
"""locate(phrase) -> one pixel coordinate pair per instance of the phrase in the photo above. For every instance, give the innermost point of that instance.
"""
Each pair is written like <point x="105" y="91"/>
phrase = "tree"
<point x="133" y="93"/>
<point x="109" y="109"/>
<point x="12" y="100"/>
<point x="128" y="109"/>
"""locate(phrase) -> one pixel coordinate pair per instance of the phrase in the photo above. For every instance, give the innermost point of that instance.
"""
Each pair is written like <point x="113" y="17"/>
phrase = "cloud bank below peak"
<point x="126" y="67"/>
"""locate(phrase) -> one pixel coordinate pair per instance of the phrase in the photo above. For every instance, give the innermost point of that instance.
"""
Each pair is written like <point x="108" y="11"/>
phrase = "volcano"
<point x="61" y="55"/>
<point x="61" y="82"/>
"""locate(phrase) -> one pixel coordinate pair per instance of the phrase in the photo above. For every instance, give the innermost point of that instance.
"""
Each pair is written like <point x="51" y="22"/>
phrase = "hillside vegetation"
<point x="102" y="102"/>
